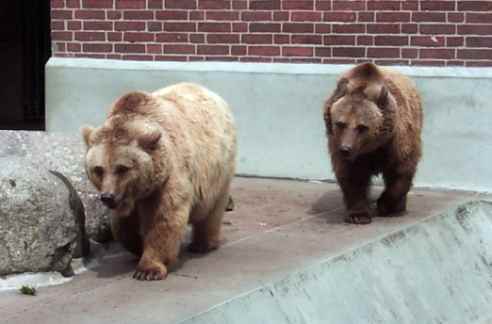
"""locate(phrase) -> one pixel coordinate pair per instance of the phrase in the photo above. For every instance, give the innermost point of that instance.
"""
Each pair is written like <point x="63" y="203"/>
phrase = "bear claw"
<point x="150" y="275"/>
<point x="359" y="218"/>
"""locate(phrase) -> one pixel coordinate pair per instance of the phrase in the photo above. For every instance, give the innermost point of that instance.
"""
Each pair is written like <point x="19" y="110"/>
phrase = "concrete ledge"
<point x="278" y="112"/>
<point x="262" y="68"/>
<point x="436" y="271"/>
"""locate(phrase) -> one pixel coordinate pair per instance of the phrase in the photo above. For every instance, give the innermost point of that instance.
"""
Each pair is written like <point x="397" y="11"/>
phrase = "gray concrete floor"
<point x="277" y="227"/>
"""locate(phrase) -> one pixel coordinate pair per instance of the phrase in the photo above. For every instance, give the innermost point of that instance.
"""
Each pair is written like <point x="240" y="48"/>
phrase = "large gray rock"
<point x="63" y="153"/>
<point x="39" y="228"/>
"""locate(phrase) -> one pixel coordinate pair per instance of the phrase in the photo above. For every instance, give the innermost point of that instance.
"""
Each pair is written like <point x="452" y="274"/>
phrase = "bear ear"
<point x="366" y="71"/>
<point x="150" y="141"/>
<point x="378" y="93"/>
<point x="339" y="92"/>
<point x="382" y="100"/>
<point x="86" y="134"/>
<point x="131" y="102"/>
<point x="341" y="89"/>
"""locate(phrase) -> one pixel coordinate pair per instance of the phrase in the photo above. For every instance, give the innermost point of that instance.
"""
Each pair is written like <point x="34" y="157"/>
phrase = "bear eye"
<point x="98" y="171"/>
<point x="121" y="169"/>
<point x="362" y="128"/>
<point x="340" y="125"/>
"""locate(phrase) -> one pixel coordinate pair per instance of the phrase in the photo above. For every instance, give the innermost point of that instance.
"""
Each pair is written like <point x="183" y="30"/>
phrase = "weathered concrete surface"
<point x="436" y="271"/>
<point x="278" y="111"/>
<point x="63" y="153"/>
<point x="282" y="232"/>
<point x="39" y="220"/>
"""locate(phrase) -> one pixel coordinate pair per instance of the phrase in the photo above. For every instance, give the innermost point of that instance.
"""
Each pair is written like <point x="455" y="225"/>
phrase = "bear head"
<point x="359" y="114"/>
<point x="120" y="157"/>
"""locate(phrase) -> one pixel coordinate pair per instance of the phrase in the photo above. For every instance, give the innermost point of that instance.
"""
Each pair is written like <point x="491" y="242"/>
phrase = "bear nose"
<point x="345" y="150"/>
<point x="108" y="199"/>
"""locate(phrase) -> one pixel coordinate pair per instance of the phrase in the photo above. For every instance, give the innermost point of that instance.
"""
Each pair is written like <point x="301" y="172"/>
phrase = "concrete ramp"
<point x="438" y="270"/>
<point x="288" y="257"/>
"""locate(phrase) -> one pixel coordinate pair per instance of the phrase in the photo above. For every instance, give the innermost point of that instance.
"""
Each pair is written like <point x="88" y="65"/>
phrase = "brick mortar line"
<point x="416" y="47"/>
<point x="441" y="62"/>
<point x="278" y="56"/>
<point x="325" y="23"/>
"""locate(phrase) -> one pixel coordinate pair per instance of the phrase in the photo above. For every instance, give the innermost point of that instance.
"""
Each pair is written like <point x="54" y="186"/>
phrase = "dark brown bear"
<point x="373" y="121"/>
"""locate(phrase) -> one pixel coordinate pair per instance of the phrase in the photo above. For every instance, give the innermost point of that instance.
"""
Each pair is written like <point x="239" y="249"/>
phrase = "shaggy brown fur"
<point x="160" y="161"/>
<point x="373" y="121"/>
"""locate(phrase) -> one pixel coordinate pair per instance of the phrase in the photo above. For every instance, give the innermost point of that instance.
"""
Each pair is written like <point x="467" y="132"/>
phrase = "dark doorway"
<point x="25" y="47"/>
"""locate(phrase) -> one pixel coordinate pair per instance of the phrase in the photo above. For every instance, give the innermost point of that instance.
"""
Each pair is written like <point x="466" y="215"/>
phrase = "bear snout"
<point x="108" y="199"/>
<point x="345" y="150"/>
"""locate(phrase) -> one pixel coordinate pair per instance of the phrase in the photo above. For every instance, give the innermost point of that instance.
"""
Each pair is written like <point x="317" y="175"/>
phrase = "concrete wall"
<point x="278" y="112"/>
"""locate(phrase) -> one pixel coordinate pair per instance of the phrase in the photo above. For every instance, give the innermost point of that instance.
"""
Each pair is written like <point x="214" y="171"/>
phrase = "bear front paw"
<point x="203" y="247"/>
<point x="360" y="218"/>
<point x="150" y="273"/>
<point x="390" y="208"/>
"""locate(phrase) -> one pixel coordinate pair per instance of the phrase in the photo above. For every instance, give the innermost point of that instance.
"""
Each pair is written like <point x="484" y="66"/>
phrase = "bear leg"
<point x="230" y="204"/>
<point x="355" y="188"/>
<point x="393" y="200"/>
<point x="161" y="243"/>
<point x="206" y="233"/>
<point x="125" y="231"/>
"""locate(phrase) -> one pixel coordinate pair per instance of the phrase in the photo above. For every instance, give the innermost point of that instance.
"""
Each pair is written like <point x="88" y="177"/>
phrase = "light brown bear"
<point x="373" y="121"/>
<point x="160" y="161"/>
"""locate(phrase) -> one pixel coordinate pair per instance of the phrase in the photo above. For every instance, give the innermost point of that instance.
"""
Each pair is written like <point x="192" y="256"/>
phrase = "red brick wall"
<point x="425" y="32"/>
